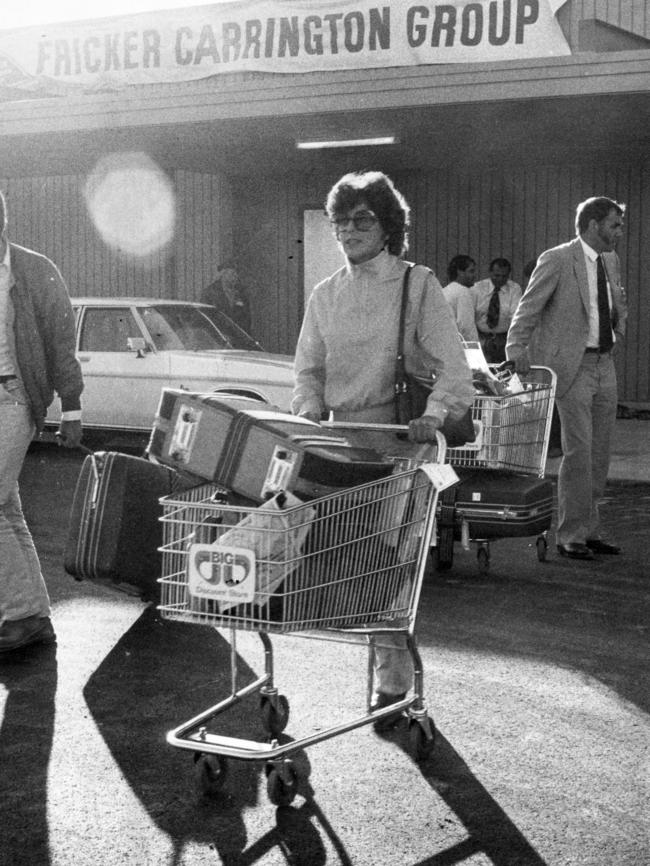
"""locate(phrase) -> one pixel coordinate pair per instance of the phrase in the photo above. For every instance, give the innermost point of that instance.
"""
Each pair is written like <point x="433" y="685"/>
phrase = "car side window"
<point x="107" y="329"/>
<point x="164" y="337"/>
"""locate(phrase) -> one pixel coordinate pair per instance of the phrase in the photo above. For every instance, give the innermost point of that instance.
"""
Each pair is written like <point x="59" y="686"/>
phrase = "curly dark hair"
<point x="377" y="191"/>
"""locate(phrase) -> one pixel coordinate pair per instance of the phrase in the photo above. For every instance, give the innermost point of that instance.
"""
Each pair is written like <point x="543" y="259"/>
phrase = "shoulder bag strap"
<point x="399" y="361"/>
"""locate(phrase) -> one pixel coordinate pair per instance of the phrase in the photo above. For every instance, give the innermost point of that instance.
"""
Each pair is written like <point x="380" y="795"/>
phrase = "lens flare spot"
<point x="131" y="203"/>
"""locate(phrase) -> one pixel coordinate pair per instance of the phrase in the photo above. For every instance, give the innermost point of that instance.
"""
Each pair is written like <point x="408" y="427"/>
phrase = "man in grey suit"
<point x="571" y="318"/>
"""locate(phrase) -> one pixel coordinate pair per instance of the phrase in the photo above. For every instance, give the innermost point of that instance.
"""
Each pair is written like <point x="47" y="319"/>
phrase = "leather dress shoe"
<point x="575" y="550"/>
<point x="600" y="546"/>
<point x="391" y="719"/>
<point x="18" y="633"/>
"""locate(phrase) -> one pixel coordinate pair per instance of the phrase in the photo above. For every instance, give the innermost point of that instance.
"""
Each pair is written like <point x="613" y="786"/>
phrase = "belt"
<point x="4" y="379"/>
<point x="596" y="350"/>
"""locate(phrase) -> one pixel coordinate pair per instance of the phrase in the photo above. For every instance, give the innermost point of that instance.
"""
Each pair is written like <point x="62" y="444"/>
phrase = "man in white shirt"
<point x="495" y="302"/>
<point x="571" y="318"/>
<point x="461" y="272"/>
<point x="37" y="358"/>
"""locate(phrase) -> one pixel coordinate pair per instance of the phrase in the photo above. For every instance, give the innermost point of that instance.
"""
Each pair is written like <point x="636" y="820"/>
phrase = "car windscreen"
<point x="181" y="327"/>
<point x="236" y="336"/>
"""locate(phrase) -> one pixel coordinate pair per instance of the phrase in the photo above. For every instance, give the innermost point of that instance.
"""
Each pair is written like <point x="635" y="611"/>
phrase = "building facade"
<point x="492" y="154"/>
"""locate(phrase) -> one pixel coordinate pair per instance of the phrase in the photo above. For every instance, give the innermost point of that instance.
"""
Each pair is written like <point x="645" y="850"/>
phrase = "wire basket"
<point x="513" y="429"/>
<point x="351" y="559"/>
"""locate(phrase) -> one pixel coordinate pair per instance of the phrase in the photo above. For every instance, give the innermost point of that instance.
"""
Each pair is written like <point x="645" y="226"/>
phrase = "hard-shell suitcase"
<point x="499" y="504"/>
<point x="114" y="530"/>
<point x="256" y="451"/>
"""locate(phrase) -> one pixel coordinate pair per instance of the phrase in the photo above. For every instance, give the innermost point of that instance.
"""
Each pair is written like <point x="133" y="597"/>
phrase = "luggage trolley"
<point x="348" y="566"/>
<point x="513" y="432"/>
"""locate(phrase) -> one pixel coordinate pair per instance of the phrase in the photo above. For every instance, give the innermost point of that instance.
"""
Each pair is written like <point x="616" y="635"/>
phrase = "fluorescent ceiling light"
<point x="347" y="142"/>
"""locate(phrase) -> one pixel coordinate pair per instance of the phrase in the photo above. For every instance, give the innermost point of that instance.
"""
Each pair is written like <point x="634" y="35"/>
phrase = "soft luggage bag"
<point x="259" y="451"/>
<point x="498" y="504"/>
<point x="114" y="530"/>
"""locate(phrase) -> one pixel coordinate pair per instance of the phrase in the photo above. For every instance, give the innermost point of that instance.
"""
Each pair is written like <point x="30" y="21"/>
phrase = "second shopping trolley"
<point x="502" y="492"/>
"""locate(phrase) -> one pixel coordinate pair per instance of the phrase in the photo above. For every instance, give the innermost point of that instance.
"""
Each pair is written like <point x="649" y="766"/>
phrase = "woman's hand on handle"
<point x="423" y="429"/>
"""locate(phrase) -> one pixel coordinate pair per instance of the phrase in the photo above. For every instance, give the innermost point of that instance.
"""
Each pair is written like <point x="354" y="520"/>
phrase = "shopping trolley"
<point x="513" y="431"/>
<point x="348" y="566"/>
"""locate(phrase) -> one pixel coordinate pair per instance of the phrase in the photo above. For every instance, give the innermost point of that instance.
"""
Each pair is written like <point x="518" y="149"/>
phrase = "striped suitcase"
<point x="114" y="531"/>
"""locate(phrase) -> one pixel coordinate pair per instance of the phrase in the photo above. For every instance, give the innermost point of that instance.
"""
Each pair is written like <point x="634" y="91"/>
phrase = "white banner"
<point x="281" y="36"/>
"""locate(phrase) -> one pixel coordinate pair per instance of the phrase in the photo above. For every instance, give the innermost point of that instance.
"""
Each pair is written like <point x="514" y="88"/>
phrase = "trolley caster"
<point x="281" y="784"/>
<point x="210" y="773"/>
<point x="483" y="559"/>
<point x="542" y="548"/>
<point x="422" y="738"/>
<point x="274" y="718"/>
<point x="440" y="562"/>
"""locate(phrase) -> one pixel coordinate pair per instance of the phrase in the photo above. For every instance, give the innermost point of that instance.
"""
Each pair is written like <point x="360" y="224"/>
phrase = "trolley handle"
<point x="537" y="375"/>
<point x="441" y="442"/>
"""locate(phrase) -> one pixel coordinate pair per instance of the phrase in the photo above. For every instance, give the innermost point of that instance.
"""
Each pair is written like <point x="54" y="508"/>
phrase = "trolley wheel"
<point x="275" y="719"/>
<point x="483" y="558"/>
<point x="421" y="740"/>
<point x="542" y="548"/>
<point x="281" y="793"/>
<point x="210" y="773"/>
<point x="439" y="562"/>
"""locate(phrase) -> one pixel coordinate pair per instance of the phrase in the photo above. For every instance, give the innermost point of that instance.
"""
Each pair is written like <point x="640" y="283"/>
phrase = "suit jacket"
<point x="551" y="322"/>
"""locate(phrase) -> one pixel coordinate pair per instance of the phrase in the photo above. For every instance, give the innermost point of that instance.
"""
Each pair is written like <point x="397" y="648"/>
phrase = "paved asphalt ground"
<point x="536" y="677"/>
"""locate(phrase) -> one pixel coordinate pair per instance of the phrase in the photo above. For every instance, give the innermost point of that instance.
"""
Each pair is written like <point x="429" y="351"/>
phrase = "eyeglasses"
<point x="363" y="221"/>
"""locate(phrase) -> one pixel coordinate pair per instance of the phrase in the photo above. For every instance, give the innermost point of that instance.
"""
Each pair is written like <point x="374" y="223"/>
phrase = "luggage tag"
<point x="283" y="467"/>
<point x="441" y="475"/>
<point x="184" y="434"/>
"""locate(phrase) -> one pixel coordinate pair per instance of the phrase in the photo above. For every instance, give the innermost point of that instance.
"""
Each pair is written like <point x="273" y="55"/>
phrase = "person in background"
<point x="346" y="351"/>
<point x="37" y="358"/>
<point x="461" y="272"/>
<point x="571" y="319"/>
<point x="227" y="295"/>
<point x="495" y="301"/>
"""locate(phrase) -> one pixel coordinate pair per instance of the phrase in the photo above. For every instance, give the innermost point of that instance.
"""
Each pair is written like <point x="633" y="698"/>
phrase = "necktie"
<point x="604" y="319"/>
<point x="493" y="310"/>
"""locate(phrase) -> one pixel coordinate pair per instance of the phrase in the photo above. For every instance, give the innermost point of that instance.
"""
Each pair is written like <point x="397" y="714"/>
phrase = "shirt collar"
<point x="590" y="252"/>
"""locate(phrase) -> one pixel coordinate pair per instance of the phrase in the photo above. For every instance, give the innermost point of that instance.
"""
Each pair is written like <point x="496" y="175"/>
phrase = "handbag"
<point x="411" y="393"/>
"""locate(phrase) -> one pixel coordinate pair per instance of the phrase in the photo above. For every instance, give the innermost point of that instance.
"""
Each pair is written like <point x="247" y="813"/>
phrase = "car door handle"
<point x="83" y="358"/>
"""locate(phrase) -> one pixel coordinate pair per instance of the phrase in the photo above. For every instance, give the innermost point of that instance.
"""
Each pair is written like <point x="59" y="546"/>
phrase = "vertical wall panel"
<point x="49" y="214"/>
<point x="203" y="232"/>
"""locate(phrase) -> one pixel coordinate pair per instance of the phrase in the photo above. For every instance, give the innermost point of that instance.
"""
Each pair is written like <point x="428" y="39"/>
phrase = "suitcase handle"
<point x="95" y="465"/>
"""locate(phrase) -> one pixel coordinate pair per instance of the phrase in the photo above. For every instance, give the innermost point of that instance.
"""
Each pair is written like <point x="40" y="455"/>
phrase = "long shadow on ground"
<point x="25" y="746"/>
<point x="166" y="673"/>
